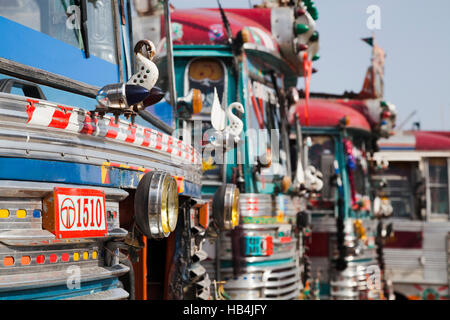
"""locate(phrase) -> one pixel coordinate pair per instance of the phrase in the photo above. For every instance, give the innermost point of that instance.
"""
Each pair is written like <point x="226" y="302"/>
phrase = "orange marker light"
<point x="8" y="261"/>
<point x="25" y="260"/>
<point x="245" y="35"/>
<point x="196" y="101"/>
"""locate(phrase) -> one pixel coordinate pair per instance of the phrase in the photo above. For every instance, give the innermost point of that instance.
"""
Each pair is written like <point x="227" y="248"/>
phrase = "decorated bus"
<point x="416" y="180"/>
<point x="239" y="63"/>
<point x="98" y="199"/>
<point x="339" y="137"/>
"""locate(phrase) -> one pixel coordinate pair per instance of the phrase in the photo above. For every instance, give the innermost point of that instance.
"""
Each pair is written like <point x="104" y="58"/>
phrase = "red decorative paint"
<point x="113" y="129"/>
<point x="319" y="245"/>
<point x="60" y="118"/>
<point x="131" y="136"/>
<point x="405" y="240"/>
<point x="269" y="244"/>
<point x="89" y="124"/>
<point x="31" y="108"/>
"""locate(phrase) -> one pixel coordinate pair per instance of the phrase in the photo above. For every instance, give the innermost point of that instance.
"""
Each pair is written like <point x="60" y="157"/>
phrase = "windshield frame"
<point x="58" y="76"/>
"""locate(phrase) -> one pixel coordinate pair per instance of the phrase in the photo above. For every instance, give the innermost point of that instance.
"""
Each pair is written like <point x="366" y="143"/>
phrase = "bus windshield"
<point x="60" y="19"/>
<point x="265" y="129"/>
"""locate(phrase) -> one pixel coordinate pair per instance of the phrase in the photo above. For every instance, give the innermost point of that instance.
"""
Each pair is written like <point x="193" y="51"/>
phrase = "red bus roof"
<point x="417" y="140"/>
<point x="205" y="26"/>
<point x="328" y="113"/>
<point x="430" y="140"/>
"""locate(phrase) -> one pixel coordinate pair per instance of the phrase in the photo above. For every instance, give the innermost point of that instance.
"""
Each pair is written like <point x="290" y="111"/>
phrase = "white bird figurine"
<point x="236" y="125"/>
<point x="219" y="118"/>
<point x="146" y="73"/>
<point x="313" y="179"/>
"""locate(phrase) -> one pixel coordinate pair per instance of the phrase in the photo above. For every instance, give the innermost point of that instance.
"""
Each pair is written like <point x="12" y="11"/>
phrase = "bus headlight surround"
<point x="226" y="207"/>
<point x="156" y="204"/>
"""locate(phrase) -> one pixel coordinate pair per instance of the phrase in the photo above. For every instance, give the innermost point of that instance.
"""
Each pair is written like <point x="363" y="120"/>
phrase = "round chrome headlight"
<point x="226" y="207"/>
<point x="156" y="204"/>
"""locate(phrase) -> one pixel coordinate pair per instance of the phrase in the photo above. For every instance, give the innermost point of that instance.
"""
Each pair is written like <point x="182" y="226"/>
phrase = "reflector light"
<point x="4" y="213"/>
<point x="85" y="255"/>
<point x="53" y="258"/>
<point x="386" y="114"/>
<point x="40" y="259"/>
<point x="21" y="213"/>
<point x="36" y="213"/>
<point x="76" y="256"/>
<point x="25" y="260"/>
<point x="65" y="257"/>
<point x="245" y="35"/>
<point x="301" y="28"/>
<point x="8" y="261"/>
<point x="94" y="255"/>
<point x="300" y="12"/>
<point x="314" y="37"/>
<point x="302" y="47"/>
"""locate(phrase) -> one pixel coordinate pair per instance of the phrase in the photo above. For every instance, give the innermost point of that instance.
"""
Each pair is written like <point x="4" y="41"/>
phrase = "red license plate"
<point x="75" y="213"/>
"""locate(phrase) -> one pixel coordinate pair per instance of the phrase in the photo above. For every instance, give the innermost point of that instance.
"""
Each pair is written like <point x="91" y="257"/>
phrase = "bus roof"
<point x="205" y="26"/>
<point x="417" y="140"/>
<point x="329" y="113"/>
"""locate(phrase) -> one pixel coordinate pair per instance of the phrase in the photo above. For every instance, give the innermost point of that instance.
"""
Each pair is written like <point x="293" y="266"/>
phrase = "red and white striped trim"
<point x="79" y="121"/>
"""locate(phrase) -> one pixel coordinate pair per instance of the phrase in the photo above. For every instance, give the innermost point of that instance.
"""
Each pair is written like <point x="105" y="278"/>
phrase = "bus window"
<point x="400" y="188"/>
<point x="321" y="155"/>
<point x="264" y="102"/>
<point x="438" y="185"/>
<point x="321" y="145"/>
<point x="206" y="74"/>
<point x="360" y="173"/>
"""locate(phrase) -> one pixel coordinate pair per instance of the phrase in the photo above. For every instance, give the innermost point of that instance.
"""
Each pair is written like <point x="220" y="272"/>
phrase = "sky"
<point x="415" y="37"/>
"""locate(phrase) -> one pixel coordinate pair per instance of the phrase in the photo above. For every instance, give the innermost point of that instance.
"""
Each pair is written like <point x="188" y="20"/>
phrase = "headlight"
<point x="121" y="96"/>
<point x="226" y="207"/>
<point x="156" y="204"/>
